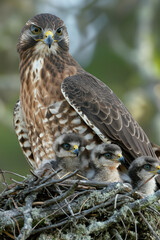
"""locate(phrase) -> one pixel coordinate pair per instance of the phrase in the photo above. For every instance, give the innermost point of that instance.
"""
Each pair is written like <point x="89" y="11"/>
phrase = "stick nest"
<point x="51" y="208"/>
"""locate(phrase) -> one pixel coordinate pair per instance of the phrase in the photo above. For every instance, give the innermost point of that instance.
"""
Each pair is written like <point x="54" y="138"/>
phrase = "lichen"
<point x="45" y="236"/>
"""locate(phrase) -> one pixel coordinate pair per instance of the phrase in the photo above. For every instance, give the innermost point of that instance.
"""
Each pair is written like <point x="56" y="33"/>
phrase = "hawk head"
<point x="105" y="155"/>
<point x="46" y="32"/>
<point x="143" y="168"/>
<point x="68" y="145"/>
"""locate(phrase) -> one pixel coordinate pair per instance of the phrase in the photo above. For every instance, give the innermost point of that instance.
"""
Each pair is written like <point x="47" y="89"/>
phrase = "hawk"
<point x="140" y="170"/>
<point x="105" y="160"/>
<point x="58" y="96"/>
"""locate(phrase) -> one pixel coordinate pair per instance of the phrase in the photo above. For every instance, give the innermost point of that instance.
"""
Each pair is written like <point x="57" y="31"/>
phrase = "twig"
<point x="47" y="184"/>
<point x="115" y="202"/>
<point x="15" y="205"/>
<point x="126" y="232"/>
<point x="116" y="234"/>
<point x="27" y="228"/>
<point x="38" y="203"/>
<point x="9" y="235"/>
<point x="89" y="183"/>
<point x="45" y="179"/>
<point x="2" y="173"/>
<point x="152" y="209"/>
<point x="61" y="197"/>
<point x="6" y="193"/>
<point x="98" y="184"/>
<point x="17" y="224"/>
<point x="39" y="178"/>
<point x="49" y="227"/>
<point x="9" y="172"/>
<point x="135" y="223"/>
<point x="13" y="189"/>
<point x="68" y="205"/>
<point x="17" y="182"/>
<point x="83" y="205"/>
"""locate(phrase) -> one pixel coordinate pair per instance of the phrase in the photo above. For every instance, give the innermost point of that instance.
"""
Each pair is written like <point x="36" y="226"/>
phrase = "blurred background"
<point x="118" y="41"/>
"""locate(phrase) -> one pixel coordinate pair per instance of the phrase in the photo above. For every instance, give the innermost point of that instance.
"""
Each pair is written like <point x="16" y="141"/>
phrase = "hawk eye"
<point x="35" y="30"/>
<point x="59" y="31"/>
<point x="147" y="167"/>
<point x="107" y="155"/>
<point x="66" y="146"/>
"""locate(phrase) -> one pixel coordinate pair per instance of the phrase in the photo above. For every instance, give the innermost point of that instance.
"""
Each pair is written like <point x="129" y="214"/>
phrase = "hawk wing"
<point x="22" y="133"/>
<point x="101" y="109"/>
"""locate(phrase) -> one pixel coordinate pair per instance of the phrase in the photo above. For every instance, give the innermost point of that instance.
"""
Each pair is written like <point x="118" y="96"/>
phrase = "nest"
<point x="51" y="208"/>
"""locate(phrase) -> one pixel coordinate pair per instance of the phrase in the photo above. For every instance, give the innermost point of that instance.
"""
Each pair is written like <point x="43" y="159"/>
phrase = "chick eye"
<point x="107" y="155"/>
<point x="147" y="167"/>
<point x="35" y="30"/>
<point x="66" y="146"/>
<point x="59" y="31"/>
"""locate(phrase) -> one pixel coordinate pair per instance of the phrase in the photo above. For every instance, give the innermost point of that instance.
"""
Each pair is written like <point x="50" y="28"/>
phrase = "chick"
<point x="140" y="170"/>
<point x="105" y="159"/>
<point x="68" y="150"/>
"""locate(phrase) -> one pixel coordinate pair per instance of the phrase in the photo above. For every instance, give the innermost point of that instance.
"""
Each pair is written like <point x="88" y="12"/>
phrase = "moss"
<point x="45" y="236"/>
<point x="74" y="232"/>
<point x="97" y="197"/>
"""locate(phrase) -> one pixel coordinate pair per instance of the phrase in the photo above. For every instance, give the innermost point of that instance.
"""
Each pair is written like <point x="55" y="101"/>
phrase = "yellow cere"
<point x="48" y="33"/>
<point x="75" y="147"/>
<point x="119" y="155"/>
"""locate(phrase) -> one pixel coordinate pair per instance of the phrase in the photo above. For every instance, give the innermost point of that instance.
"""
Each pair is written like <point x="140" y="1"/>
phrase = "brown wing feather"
<point x="22" y="133"/>
<point x="96" y="102"/>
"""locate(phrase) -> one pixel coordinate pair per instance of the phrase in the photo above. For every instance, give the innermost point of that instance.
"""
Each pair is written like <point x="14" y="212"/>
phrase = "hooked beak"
<point x="75" y="150"/>
<point x="120" y="158"/>
<point x="156" y="171"/>
<point x="49" y="38"/>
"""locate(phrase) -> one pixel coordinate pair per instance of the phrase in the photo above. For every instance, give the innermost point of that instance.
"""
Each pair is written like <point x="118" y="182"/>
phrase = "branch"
<point x="27" y="228"/>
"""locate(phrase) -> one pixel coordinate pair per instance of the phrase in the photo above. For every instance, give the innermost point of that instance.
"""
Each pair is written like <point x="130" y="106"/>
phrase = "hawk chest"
<point x="39" y="89"/>
<point x="46" y="113"/>
<point x="41" y="86"/>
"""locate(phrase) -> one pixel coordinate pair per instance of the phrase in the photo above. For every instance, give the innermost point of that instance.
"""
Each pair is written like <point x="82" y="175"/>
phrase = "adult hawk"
<point x="58" y="96"/>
